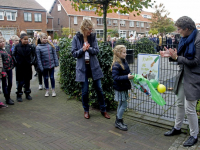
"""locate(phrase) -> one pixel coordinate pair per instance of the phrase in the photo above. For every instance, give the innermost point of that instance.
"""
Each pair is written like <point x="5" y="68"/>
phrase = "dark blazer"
<point x="190" y="71"/>
<point x="120" y="76"/>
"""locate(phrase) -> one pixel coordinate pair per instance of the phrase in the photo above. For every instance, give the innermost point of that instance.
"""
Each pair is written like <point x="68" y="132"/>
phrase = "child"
<point x="6" y="72"/>
<point x="2" y="105"/>
<point x="121" y="75"/>
<point x="24" y="56"/>
<point x="47" y="60"/>
<point x="15" y="40"/>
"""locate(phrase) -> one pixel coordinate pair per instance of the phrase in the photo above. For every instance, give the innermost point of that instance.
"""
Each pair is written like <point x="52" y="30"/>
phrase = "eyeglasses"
<point x="89" y="29"/>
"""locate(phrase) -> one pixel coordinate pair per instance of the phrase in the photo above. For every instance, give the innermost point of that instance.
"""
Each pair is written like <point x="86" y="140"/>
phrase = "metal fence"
<point x="138" y="101"/>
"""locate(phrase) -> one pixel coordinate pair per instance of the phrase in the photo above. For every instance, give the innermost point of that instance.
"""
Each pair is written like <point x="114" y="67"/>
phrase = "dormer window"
<point x="11" y="16"/>
<point x="59" y="7"/>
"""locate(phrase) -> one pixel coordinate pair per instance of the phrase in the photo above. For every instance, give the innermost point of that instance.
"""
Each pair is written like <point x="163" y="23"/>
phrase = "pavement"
<point x="57" y="123"/>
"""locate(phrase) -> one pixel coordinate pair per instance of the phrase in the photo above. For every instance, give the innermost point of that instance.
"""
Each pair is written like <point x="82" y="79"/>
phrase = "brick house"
<point x="65" y="16"/>
<point x="26" y="15"/>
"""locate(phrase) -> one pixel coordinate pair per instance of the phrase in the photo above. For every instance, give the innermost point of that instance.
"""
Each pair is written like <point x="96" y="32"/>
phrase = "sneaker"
<point x="2" y="105"/>
<point x="46" y="94"/>
<point x="53" y="93"/>
<point x="40" y="87"/>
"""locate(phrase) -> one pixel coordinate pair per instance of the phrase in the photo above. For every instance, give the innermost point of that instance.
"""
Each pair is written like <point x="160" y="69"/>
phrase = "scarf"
<point x="187" y="44"/>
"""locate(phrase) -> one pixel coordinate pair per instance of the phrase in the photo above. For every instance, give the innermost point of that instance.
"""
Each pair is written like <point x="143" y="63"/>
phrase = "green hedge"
<point x="68" y="74"/>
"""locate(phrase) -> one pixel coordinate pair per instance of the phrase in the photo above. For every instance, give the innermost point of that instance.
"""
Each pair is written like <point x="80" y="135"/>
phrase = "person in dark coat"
<point x="85" y="48"/>
<point x="187" y="84"/>
<point x="121" y="75"/>
<point x="6" y="71"/>
<point x="24" y="57"/>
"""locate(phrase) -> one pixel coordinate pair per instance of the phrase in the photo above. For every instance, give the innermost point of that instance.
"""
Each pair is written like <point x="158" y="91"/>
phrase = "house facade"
<point x="126" y="24"/>
<point x="25" y="15"/>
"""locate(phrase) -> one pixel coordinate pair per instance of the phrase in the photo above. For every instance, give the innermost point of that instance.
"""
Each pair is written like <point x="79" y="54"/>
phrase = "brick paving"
<point x="57" y="123"/>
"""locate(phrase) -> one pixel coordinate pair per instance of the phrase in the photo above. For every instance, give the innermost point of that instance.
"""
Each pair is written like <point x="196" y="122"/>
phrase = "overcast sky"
<point x="177" y="8"/>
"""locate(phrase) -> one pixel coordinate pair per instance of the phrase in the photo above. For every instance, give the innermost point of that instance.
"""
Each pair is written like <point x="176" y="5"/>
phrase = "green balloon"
<point x="154" y="83"/>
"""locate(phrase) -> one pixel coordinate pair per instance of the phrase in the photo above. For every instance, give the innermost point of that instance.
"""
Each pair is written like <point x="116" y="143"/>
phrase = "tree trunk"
<point x="105" y="6"/>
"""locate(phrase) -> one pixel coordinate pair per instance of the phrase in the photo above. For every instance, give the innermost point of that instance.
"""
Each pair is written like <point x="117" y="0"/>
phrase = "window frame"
<point x="38" y="17"/>
<point x="100" y="20"/>
<point x="2" y="15"/>
<point x="109" y="22"/>
<point x="142" y="23"/>
<point x="122" y="23"/>
<point x="99" y="32"/>
<point x="10" y="14"/>
<point x="59" y="7"/>
<point x="131" y="22"/>
<point x="115" y="23"/>
<point x="58" y="21"/>
<point x="75" y="20"/>
<point x="137" y="24"/>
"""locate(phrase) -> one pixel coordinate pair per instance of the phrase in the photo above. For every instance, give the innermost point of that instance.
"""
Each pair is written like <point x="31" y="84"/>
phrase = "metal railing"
<point x="138" y="101"/>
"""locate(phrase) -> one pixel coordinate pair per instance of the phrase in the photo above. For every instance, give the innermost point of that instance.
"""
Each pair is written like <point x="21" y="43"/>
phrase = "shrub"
<point x="68" y="74"/>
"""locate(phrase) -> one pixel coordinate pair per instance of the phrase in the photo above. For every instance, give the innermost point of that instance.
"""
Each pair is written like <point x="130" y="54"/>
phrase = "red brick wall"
<point x="64" y="19"/>
<point x="50" y="23"/>
<point x="23" y="25"/>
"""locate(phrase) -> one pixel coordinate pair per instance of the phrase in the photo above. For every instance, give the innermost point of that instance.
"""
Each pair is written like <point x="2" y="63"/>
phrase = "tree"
<point x="160" y="21"/>
<point x="108" y="6"/>
<point x="113" y="32"/>
<point x="67" y="31"/>
<point x="153" y="31"/>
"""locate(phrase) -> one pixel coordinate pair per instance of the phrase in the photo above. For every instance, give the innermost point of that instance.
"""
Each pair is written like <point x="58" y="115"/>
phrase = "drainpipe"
<point x="69" y="21"/>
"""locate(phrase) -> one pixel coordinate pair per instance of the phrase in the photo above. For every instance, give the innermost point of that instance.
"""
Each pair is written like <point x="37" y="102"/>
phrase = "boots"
<point x="122" y="121"/>
<point x="8" y="100"/>
<point x="119" y="124"/>
<point x="28" y="97"/>
<point x="19" y="98"/>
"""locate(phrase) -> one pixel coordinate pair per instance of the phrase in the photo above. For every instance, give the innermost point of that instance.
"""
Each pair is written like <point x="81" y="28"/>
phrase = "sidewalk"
<point x="58" y="123"/>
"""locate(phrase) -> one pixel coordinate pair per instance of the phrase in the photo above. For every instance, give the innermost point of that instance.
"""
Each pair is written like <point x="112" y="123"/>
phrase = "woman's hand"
<point x="165" y="53"/>
<point x="130" y="76"/>
<point x="173" y="53"/>
<point x="84" y="48"/>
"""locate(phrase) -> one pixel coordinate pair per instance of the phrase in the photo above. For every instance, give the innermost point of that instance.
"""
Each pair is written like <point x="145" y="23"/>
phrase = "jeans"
<point x="26" y="84"/>
<point x="98" y="88"/>
<point x="122" y="105"/>
<point x="46" y="74"/>
<point x="7" y="86"/>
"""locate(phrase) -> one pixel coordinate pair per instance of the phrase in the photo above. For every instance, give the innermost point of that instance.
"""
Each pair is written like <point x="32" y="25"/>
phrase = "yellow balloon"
<point x="161" y="88"/>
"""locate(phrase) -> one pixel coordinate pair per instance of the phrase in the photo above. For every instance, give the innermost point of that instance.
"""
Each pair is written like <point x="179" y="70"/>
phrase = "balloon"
<point x="161" y="88"/>
<point x="154" y="82"/>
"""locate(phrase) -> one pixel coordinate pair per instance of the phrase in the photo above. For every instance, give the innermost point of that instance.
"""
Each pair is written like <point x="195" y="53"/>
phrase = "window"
<point x="115" y="23"/>
<point x="58" y="21"/>
<point x="59" y="7"/>
<point x="149" y="17"/>
<point x="131" y="24"/>
<point x="147" y="25"/>
<point x="38" y="17"/>
<point x="11" y="16"/>
<point x="144" y="16"/>
<point x="138" y="24"/>
<point x="75" y="19"/>
<point x="142" y="24"/>
<point x="122" y="34"/>
<point x="99" y="21"/>
<point x="99" y="33"/>
<point x="86" y="18"/>
<point x="27" y="17"/>
<point x="1" y="15"/>
<point x="147" y="33"/>
<point x="109" y="23"/>
<point x="122" y="23"/>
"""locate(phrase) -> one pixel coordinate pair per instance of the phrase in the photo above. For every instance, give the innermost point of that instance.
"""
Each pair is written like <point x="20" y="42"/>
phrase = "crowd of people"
<point x="23" y="53"/>
<point x="20" y="54"/>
